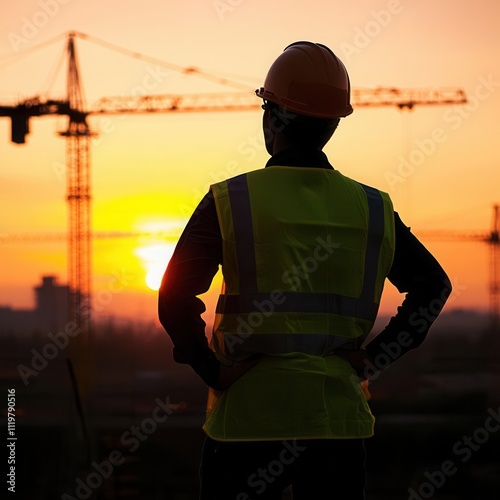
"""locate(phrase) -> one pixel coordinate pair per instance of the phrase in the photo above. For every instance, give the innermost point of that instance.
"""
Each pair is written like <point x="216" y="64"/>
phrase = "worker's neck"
<point x="281" y="143"/>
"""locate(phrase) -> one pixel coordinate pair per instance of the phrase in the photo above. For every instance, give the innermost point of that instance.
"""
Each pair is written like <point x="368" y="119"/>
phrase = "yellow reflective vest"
<point x="305" y="255"/>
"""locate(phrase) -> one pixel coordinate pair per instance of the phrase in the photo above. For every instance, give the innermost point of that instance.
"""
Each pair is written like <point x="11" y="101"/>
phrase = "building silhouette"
<point x="49" y="315"/>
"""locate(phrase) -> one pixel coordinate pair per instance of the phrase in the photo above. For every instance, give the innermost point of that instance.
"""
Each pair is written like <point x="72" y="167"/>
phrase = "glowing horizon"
<point x="439" y="164"/>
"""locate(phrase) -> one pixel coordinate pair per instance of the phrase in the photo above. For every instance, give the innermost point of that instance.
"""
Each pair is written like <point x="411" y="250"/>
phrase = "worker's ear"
<point x="282" y="118"/>
<point x="269" y="134"/>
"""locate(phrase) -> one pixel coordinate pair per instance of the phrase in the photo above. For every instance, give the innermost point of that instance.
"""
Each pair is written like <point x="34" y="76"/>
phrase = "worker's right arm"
<point x="190" y="271"/>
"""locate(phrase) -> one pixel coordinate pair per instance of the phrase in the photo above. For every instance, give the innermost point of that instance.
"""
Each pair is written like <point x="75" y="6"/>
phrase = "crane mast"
<point x="78" y="196"/>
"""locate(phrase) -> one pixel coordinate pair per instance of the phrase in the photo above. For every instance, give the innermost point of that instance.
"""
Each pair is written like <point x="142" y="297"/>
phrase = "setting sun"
<point x="154" y="276"/>
<point x="154" y="259"/>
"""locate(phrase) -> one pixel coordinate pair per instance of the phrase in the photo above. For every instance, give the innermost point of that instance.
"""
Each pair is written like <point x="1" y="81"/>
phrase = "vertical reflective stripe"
<point x="375" y="236"/>
<point x="239" y="200"/>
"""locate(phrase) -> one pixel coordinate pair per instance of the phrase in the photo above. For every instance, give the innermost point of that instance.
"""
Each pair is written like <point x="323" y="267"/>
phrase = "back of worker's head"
<point x="307" y="89"/>
<point x="300" y="130"/>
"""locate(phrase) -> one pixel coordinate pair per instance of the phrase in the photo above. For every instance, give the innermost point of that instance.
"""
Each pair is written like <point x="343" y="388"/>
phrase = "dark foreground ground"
<point x="131" y="427"/>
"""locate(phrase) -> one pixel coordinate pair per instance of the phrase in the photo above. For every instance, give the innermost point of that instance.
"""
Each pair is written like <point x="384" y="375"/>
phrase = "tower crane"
<point x="78" y="134"/>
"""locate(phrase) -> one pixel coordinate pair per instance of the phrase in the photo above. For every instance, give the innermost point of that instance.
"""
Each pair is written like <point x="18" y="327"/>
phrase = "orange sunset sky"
<point x="150" y="171"/>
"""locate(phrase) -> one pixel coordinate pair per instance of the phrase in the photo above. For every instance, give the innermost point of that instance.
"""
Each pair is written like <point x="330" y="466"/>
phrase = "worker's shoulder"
<point x="279" y="170"/>
<point x="241" y="178"/>
<point x="367" y="188"/>
<point x="283" y="170"/>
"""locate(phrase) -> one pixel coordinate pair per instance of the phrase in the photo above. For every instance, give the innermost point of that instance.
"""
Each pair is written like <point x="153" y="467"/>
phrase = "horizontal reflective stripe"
<point x="282" y="343"/>
<point x="300" y="302"/>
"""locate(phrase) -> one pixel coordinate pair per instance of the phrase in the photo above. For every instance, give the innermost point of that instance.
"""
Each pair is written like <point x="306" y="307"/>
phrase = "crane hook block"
<point x="20" y="128"/>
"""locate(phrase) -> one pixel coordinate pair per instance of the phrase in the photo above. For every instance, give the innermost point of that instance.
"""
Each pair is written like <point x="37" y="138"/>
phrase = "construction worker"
<point x="305" y="252"/>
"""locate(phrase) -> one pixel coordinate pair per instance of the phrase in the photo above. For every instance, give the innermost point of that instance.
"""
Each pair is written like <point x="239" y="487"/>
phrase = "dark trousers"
<point x="317" y="469"/>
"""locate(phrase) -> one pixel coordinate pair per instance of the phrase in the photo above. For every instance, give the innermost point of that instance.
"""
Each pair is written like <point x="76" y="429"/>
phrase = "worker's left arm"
<point x="417" y="273"/>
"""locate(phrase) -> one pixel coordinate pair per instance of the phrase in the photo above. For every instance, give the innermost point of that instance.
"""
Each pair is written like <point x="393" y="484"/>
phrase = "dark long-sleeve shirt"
<point x="198" y="255"/>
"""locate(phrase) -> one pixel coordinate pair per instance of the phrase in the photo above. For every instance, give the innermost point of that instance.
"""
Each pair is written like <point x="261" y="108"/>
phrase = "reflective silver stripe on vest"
<point x="300" y="302"/>
<point x="316" y="344"/>
<point x="376" y="228"/>
<point x="239" y="200"/>
<point x="246" y="302"/>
